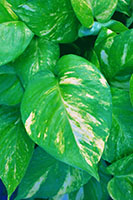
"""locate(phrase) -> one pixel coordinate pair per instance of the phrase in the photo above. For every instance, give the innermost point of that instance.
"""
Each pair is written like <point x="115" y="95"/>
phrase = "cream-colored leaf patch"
<point x="30" y="121"/>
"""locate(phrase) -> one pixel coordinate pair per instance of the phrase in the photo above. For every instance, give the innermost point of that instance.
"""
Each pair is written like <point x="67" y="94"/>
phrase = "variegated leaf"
<point x="47" y="177"/>
<point x="69" y="115"/>
<point x="15" y="148"/>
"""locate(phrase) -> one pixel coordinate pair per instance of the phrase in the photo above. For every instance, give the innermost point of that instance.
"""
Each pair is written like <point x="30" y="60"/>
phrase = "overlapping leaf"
<point x="115" y="54"/>
<point x="14" y="38"/>
<point x="120" y="187"/>
<point x="46" y="177"/>
<point x="15" y="148"/>
<point x="41" y="54"/>
<point x="86" y="10"/>
<point x="69" y="116"/>
<point x="113" y="25"/>
<point x="53" y="19"/>
<point x="4" y="15"/>
<point x="120" y="140"/>
<point x="124" y="6"/>
<point x="11" y="91"/>
<point x="95" y="190"/>
<point x="6" y="12"/>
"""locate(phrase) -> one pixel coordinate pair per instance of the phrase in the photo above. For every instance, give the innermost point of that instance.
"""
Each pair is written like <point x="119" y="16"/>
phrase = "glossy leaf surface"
<point x="115" y="54"/>
<point x="121" y="63"/>
<point x="53" y="19"/>
<point x="103" y="9"/>
<point x="10" y="32"/>
<point x="69" y="116"/>
<point x="15" y="148"/>
<point x="86" y="10"/>
<point x="46" y="177"/>
<point x="120" y="140"/>
<point x="120" y="187"/>
<point x="41" y="54"/>
<point x="11" y="91"/>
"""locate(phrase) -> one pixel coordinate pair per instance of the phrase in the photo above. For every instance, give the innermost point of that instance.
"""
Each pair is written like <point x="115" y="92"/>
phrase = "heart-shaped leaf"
<point x="69" y="115"/>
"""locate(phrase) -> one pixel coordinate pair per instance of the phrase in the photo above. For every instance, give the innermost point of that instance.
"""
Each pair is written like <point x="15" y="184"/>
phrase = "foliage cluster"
<point x="66" y="97"/>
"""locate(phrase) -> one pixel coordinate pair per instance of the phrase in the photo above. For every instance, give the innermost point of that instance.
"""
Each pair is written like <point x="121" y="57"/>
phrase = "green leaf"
<point x="131" y="89"/>
<point x="121" y="63"/>
<point x="103" y="9"/>
<point x="41" y="54"/>
<point x="6" y="12"/>
<point x="10" y="32"/>
<point x="95" y="190"/>
<point x="102" y="39"/>
<point x="87" y="10"/>
<point x="11" y="91"/>
<point x="15" y="148"/>
<point x="69" y="115"/>
<point x="116" y="64"/>
<point x="124" y="6"/>
<point x="120" y="140"/>
<point x="102" y="48"/>
<point x="4" y="15"/>
<point x="83" y="12"/>
<point x="120" y="187"/>
<point x="53" y="19"/>
<point x="46" y="177"/>
<point x="122" y="167"/>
